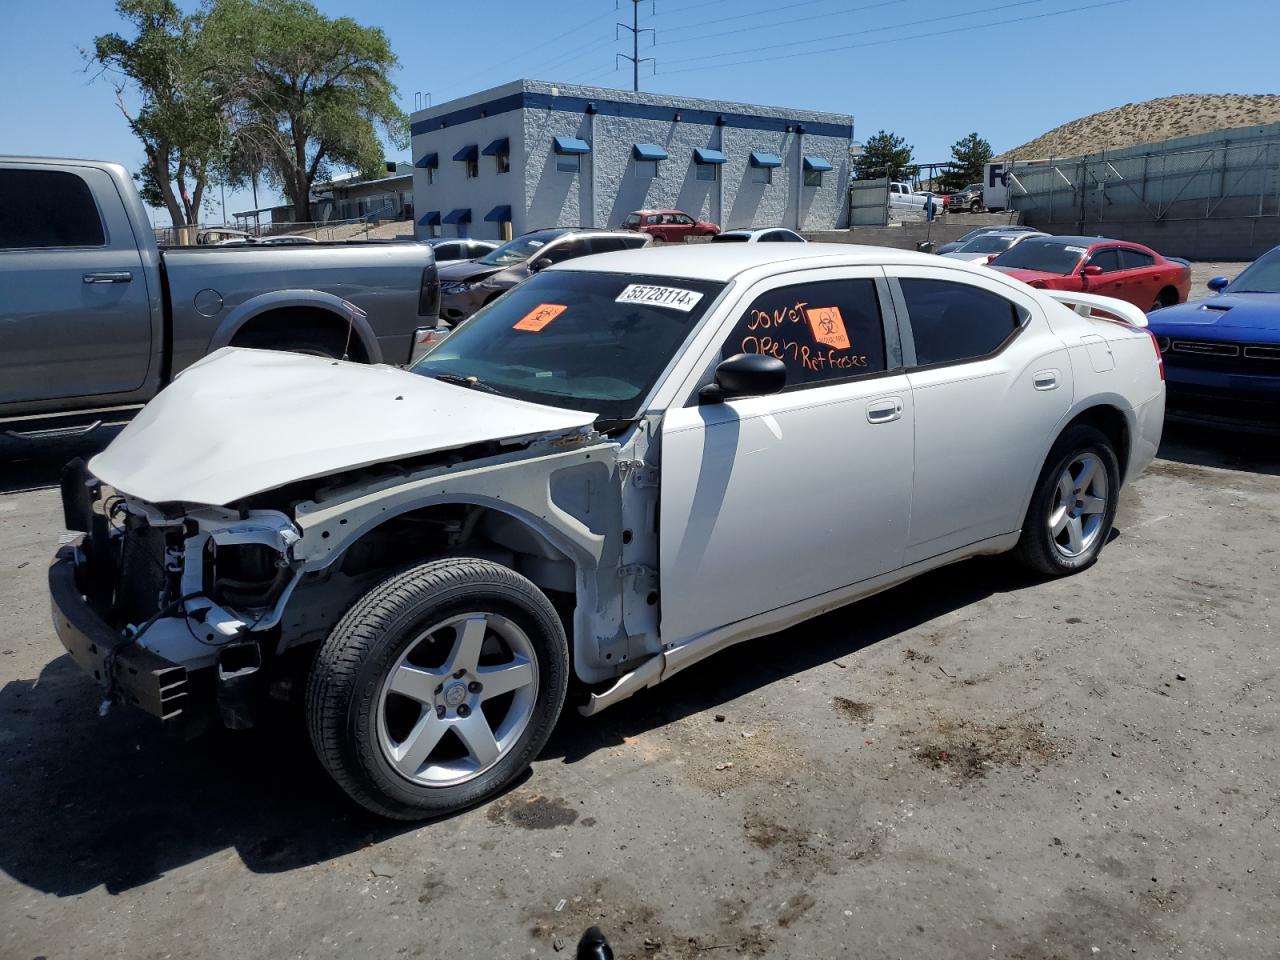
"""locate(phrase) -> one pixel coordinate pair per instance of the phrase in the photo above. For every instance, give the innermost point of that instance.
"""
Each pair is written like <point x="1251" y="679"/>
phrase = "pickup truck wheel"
<point x="438" y="688"/>
<point x="1074" y="504"/>
<point x="317" y="343"/>
<point x="975" y="207"/>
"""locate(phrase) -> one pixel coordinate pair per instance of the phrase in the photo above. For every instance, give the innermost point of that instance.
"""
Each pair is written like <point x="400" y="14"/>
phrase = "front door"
<point x="767" y="501"/>
<point x="75" y="317"/>
<point x="1112" y="281"/>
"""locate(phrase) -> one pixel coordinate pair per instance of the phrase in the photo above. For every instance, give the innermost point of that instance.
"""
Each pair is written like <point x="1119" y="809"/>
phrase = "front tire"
<point x="1073" y="506"/>
<point x="438" y="688"/>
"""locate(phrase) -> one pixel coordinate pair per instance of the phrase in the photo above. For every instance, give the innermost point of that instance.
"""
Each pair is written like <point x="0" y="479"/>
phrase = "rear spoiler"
<point x="1100" y="308"/>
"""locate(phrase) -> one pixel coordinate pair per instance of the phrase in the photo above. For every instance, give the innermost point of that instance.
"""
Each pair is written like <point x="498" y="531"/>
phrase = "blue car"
<point x="1222" y="354"/>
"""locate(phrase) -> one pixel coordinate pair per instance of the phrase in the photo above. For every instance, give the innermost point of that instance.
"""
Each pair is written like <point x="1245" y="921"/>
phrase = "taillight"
<point x="1155" y="342"/>
<point x="429" y="292"/>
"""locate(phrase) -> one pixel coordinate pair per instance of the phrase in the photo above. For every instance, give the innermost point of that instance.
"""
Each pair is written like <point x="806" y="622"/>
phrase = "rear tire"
<point x="331" y="346"/>
<point x="975" y="207"/>
<point x="438" y="688"/>
<point x="1168" y="297"/>
<point x="1073" y="506"/>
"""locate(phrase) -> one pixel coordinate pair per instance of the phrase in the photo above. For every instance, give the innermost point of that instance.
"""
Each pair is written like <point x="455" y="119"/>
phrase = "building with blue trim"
<point x="533" y="154"/>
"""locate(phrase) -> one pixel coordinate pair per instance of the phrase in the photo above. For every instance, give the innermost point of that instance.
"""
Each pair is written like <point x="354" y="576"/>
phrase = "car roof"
<point x="752" y="231"/>
<point x="659" y="210"/>
<point x="724" y="261"/>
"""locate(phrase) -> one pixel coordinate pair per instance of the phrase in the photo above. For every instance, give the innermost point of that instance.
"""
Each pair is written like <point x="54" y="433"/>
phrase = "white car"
<point x="629" y="462"/>
<point x="986" y="246"/>
<point x="768" y="235"/>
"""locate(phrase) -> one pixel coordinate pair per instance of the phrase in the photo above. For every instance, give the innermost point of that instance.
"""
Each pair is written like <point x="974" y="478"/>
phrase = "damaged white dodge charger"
<point x="626" y="463"/>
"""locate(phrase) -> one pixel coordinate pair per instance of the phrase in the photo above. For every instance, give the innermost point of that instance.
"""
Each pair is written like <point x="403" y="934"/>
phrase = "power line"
<point x="859" y="33"/>
<point x="877" y="43"/>
<point x="836" y="36"/>
<point x="755" y="13"/>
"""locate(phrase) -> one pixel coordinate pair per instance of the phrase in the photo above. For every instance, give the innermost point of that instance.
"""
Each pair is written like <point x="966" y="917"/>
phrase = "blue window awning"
<point x="428" y="161"/>
<point x="501" y="145"/>
<point x="706" y="155"/>
<point x="469" y="152"/>
<point x="648" y="151"/>
<point x="499" y="214"/>
<point x="461" y="215"/>
<point x="430" y="219"/>
<point x="821" y="164"/>
<point x="571" y="145"/>
<point x="765" y="159"/>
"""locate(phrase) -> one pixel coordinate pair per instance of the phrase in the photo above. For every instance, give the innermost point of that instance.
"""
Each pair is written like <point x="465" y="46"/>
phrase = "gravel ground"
<point x="976" y="764"/>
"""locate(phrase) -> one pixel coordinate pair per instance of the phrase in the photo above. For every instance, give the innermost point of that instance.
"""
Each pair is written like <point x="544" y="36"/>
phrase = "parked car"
<point x="1222" y="354"/>
<point x="970" y="199"/>
<point x="466" y="287"/>
<point x="952" y="246"/>
<point x="95" y="319"/>
<point x="768" y="235"/>
<point x="1108" y="268"/>
<point x="903" y="197"/>
<point x="987" y="246"/>
<point x="623" y="466"/>
<point x="669" y="226"/>
<point x="448" y="249"/>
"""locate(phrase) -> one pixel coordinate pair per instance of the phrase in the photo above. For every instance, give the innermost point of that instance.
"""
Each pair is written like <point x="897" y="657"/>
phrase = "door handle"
<point x="1045" y="379"/>
<point x="884" y="410"/>
<point x="114" y="276"/>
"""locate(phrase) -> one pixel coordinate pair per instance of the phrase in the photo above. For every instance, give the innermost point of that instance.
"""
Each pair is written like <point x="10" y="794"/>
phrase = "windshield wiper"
<point x="473" y="383"/>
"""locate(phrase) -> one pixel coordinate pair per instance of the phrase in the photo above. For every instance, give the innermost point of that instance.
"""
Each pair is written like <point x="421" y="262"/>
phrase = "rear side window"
<point x="47" y="208"/>
<point x="1135" y="259"/>
<point x="607" y="244"/>
<point x="824" y="331"/>
<point x="952" y="322"/>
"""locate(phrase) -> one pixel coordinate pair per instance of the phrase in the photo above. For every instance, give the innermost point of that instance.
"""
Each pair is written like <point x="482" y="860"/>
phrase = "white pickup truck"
<point x="903" y="197"/>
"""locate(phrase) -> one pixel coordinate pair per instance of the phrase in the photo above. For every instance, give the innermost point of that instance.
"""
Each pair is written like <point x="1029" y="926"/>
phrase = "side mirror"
<point x="540" y="264"/>
<point x="745" y="375"/>
<point x="1092" y="270"/>
<point x="1218" y="284"/>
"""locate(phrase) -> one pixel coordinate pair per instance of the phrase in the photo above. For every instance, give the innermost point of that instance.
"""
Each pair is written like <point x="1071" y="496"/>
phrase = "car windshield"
<point x="518" y="250"/>
<point x="1261" y="276"/>
<point x="576" y="339"/>
<point x="731" y="238"/>
<point x="1047" y="256"/>
<point x="975" y="232"/>
<point x="986" y="243"/>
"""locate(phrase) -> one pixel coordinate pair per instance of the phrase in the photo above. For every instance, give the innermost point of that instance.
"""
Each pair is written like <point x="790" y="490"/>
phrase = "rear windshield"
<point x="986" y="243"/>
<point x="729" y="238"/>
<point x="576" y="339"/>
<point x="1047" y="256"/>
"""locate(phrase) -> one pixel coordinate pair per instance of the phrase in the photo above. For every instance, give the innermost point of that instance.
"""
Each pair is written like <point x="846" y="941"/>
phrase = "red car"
<point x="1108" y="268"/>
<point x="669" y="226"/>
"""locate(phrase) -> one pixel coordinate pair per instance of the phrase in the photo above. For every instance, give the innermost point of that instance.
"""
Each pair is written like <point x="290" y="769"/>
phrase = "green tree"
<point x="885" y="155"/>
<point x="167" y="94"/>
<point x="307" y="93"/>
<point x="969" y="156"/>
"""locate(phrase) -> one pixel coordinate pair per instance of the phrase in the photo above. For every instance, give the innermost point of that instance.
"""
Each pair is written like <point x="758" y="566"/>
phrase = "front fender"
<point x="265" y="303"/>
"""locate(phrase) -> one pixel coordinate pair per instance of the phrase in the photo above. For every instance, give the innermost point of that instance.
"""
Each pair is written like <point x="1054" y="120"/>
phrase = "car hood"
<point x="1227" y="312"/>
<point x="465" y="270"/>
<point x="243" y="421"/>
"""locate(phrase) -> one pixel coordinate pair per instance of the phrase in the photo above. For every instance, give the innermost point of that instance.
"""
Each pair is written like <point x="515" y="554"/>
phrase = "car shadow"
<point x="31" y="465"/>
<point x="107" y="801"/>
<point x="1215" y="447"/>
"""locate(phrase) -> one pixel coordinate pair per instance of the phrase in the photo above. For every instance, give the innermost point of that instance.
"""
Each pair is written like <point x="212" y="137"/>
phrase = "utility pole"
<point x="636" y="30"/>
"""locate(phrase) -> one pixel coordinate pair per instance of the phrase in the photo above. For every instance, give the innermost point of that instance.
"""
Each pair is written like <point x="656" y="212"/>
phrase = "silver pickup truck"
<point x="95" y="318"/>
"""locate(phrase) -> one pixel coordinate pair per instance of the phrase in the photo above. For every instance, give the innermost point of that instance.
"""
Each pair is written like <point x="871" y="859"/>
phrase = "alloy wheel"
<point x="1080" y="506"/>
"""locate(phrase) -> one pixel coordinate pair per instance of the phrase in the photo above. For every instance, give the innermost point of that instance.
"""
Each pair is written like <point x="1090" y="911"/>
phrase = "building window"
<point x="709" y="172"/>
<point x="646" y="169"/>
<point x="813" y="178"/>
<point x="762" y="174"/>
<point x="503" y="161"/>
<point x="473" y="168"/>
<point x="569" y="162"/>
<point x="431" y="176"/>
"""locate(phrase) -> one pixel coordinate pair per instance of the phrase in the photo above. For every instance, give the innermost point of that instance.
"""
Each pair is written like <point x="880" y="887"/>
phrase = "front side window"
<point x="952" y="322"/>
<point x="646" y="169"/>
<point x="762" y="174"/>
<point x="707" y="171"/>
<point x="47" y="208"/>
<point x="682" y="220"/>
<point x="1108" y="260"/>
<point x="569" y="162"/>
<point x="823" y="331"/>
<point x="576" y="339"/>
<point x="813" y="178"/>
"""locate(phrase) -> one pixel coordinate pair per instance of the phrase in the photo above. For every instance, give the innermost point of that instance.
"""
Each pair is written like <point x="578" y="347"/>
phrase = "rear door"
<point x="75" y="317"/>
<point x="1143" y="277"/>
<point x="768" y="501"/>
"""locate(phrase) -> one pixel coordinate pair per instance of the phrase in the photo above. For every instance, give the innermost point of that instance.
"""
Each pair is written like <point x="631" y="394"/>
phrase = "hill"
<point x="1185" y="115"/>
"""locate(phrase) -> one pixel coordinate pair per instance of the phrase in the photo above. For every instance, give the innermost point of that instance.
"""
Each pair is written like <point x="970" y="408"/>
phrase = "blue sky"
<point x="929" y="70"/>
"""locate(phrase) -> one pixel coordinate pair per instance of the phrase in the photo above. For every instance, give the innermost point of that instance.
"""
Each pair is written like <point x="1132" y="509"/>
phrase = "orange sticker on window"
<point x="828" y="326"/>
<point x="539" y="317"/>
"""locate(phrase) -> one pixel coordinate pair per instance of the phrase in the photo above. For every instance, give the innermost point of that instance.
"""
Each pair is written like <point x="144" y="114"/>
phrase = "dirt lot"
<point x="973" y="765"/>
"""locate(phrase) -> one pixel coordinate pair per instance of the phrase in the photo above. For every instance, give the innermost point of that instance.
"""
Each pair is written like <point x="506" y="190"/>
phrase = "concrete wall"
<point x="1220" y="238"/>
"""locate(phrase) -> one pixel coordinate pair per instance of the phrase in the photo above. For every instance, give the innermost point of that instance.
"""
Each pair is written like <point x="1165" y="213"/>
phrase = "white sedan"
<point x="627" y="463"/>
<point x="987" y="246"/>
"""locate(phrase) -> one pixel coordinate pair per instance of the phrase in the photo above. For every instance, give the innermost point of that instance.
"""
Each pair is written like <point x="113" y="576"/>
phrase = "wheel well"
<point x="290" y="323"/>
<point x="1168" y="296"/>
<point x="1111" y="422"/>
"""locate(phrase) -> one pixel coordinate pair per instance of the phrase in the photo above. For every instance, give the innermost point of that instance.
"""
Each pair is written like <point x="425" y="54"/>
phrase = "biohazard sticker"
<point x="827" y="326"/>
<point x="539" y="317"/>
